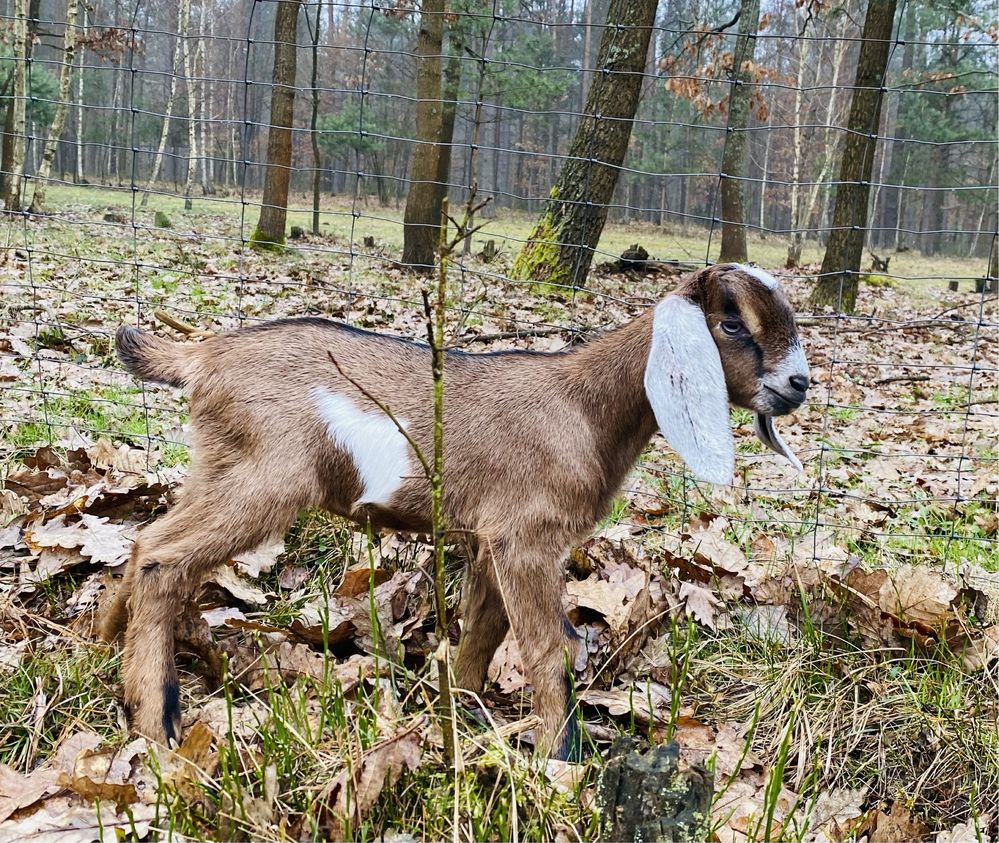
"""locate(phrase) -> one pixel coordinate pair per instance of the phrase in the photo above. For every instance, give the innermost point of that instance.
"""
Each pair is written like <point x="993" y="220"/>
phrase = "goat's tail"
<point x="153" y="358"/>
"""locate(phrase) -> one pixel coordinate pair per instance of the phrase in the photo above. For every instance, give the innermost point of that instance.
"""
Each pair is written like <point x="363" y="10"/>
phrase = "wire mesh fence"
<point x="147" y="209"/>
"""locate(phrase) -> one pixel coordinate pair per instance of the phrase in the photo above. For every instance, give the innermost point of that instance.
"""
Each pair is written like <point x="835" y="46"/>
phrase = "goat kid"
<point x="536" y="446"/>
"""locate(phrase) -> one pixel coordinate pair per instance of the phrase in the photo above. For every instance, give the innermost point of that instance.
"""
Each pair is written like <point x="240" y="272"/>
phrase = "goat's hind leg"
<point x="486" y="622"/>
<point x="170" y="560"/>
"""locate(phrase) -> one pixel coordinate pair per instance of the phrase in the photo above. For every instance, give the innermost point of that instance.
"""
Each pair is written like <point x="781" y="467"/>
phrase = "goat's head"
<point x="727" y="334"/>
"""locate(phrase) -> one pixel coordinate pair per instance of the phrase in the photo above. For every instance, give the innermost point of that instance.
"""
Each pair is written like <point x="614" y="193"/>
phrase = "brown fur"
<point x="536" y="446"/>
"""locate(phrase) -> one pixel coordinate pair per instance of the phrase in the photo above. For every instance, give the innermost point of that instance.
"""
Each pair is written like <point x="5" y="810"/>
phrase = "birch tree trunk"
<point x="269" y="232"/>
<point x="205" y="118"/>
<point x="80" y="149"/>
<point x="733" y="188"/>
<point x="806" y="210"/>
<point x="839" y="280"/>
<point x="192" y="111"/>
<point x="182" y="26"/>
<point x="62" y="107"/>
<point x="15" y="146"/>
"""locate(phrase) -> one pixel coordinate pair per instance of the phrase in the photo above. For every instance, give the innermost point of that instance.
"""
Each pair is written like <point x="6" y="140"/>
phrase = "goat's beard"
<point x="768" y="435"/>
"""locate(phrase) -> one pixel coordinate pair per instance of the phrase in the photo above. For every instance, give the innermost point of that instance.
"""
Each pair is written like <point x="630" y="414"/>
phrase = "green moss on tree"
<point x="265" y="243"/>
<point x="540" y="258"/>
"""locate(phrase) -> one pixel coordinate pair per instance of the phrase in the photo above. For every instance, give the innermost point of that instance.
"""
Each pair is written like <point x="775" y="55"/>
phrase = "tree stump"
<point x="488" y="251"/>
<point x="643" y="796"/>
<point x="296" y="233"/>
<point x="634" y="257"/>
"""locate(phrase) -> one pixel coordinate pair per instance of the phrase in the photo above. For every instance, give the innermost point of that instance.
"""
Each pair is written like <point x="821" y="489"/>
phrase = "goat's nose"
<point x="799" y="382"/>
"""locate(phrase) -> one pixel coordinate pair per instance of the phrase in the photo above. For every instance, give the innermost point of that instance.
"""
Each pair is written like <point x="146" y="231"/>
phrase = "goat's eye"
<point x="731" y="327"/>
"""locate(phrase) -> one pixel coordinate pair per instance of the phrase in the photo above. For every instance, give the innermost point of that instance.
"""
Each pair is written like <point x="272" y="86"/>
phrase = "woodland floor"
<point x="827" y="642"/>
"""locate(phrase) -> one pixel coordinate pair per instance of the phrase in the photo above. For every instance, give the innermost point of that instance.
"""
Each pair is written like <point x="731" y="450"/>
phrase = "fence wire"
<point x="155" y="189"/>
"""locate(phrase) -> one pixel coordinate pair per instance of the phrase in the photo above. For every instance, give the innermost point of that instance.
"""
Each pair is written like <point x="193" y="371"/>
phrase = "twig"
<point x="510" y="335"/>
<point x="384" y="408"/>
<point x="903" y="379"/>
<point x="180" y="325"/>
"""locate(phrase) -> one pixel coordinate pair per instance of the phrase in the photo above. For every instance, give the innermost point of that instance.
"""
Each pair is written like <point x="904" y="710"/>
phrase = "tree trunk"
<point x="205" y="106"/>
<point x="62" y="107"/>
<point x="190" y="64"/>
<point x="79" y="177"/>
<point x="733" y="189"/>
<point x="560" y="248"/>
<point x="182" y="27"/>
<point x="449" y="108"/>
<point x="317" y="161"/>
<point x="421" y="220"/>
<point x="269" y="232"/>
<point x="14" y="142"/>
<point x="838" y="283"/>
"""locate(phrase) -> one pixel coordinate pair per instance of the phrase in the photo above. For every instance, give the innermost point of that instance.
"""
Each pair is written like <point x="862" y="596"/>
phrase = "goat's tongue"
<point x="767" y="433"/>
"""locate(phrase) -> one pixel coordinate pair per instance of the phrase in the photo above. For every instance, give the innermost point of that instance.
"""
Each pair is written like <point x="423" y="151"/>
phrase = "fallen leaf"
<point x="352" y="793"/>
<point x="897" y="825"/>
<point x="356" y="580"/>
<point x="918" y="594"/>
<point x="255" y="562"/>
<point x="975" y="830"/>
<point x="700" y="602"/>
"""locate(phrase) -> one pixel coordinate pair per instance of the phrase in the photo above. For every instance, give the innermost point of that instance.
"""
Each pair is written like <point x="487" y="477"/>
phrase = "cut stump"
<point x="644" y="796"/>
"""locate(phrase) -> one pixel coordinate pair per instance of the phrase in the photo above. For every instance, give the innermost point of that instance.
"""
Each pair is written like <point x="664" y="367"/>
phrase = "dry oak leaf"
<point x="66" y="820"/>
<point x="975" y="829"/>
<point x="102" y="542"/>
<point x="713" y="548"/>
<point x="918" y="594"/>
<point x="616" y="601"/>
<point x="897" y="825"/>
<point x="352" y="793"/>
<point x="833" y="812"/>
<point x="700" y="603"/>
<point x="260" y="560"/>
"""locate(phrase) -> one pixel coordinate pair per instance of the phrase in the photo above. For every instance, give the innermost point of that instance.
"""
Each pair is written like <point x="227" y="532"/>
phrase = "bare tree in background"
<point x="190" y="65"/>
<point x="274" y="208"/>
<point x="62" y="106"/>
<point x="423" y="203"/>
<point x="837" y="285"/>
<point x="561" y="245"/>
<point x="182" y="29"/>
<point x="733" y="198"/>
<point x="15" y="122"/>
<point x="317" y="161"/>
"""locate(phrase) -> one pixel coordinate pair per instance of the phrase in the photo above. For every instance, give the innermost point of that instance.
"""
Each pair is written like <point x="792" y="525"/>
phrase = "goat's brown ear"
<point x="685" y="385"/>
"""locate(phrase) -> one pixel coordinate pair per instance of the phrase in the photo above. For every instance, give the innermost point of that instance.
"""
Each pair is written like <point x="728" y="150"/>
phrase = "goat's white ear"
<point x="685" y="385"/>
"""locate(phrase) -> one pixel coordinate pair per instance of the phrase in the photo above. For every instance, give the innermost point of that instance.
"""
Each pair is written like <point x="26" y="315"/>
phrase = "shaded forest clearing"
<point x="824" y="642"/>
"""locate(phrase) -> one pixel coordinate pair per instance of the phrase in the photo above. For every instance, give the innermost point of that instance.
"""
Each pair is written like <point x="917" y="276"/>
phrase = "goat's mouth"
<point x="763" y="425"/>
<point x="779" y="404"/>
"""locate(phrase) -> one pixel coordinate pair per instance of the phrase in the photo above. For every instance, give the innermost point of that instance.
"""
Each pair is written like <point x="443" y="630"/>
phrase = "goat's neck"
<point x="608" y="374"/>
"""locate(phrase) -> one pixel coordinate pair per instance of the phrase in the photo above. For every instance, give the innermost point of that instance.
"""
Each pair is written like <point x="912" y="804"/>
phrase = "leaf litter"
<point x="70" y="512"/>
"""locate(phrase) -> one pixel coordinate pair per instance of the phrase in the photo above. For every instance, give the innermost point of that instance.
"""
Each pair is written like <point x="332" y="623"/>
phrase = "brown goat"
<point x="536" y="446"/>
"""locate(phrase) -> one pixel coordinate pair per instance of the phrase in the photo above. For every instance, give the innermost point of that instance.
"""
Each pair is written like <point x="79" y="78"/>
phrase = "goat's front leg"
<point x="531" y="582"/>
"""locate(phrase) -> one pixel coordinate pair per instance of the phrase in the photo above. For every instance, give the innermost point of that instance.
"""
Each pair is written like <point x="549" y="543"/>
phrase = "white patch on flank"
<point x="794" y="363"/>
<point x="379" y="450"/>
<point x="761" y="275"/>
<point x="685" y="385"/>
